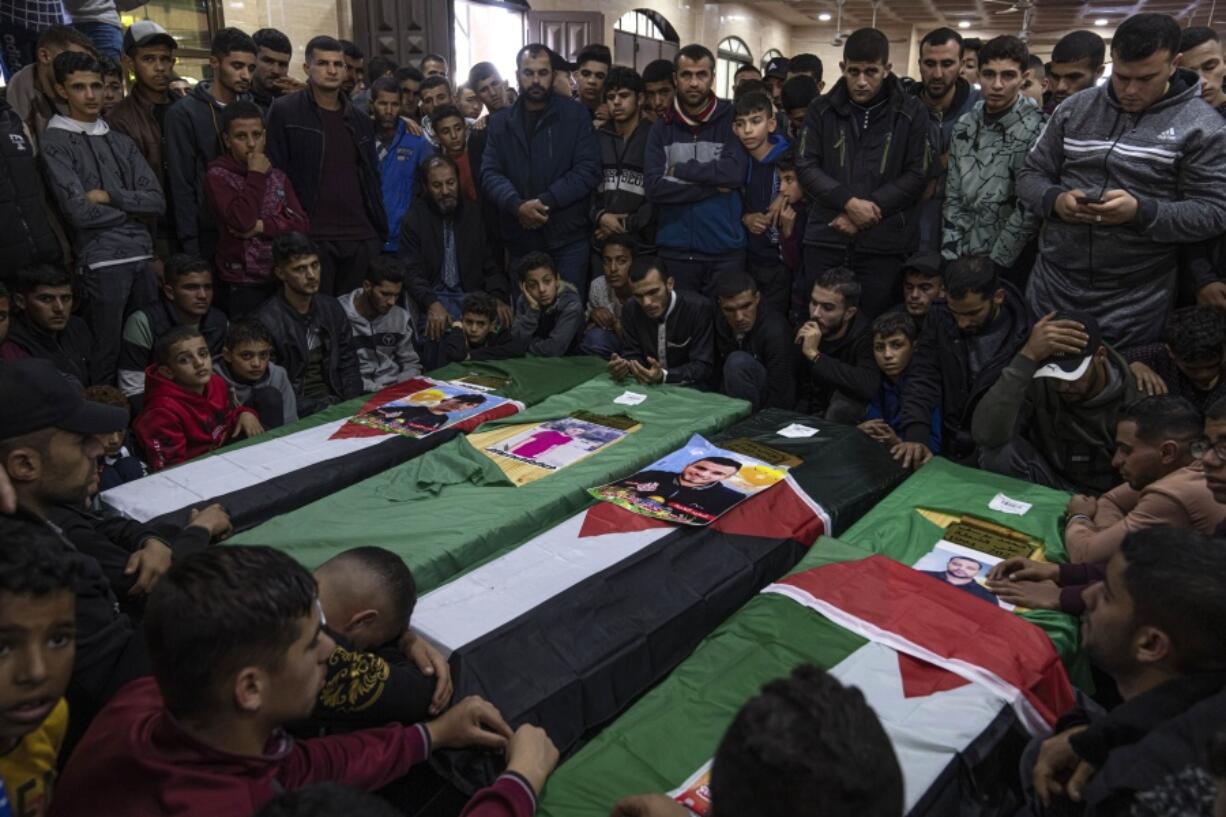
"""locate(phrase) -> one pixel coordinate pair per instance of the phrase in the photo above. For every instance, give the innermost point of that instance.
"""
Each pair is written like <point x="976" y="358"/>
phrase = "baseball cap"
<point x="1072" y="367"/>
<point x="924" y="262"/>
<point x="146" y="32"/>
<point x="777" y="67"/>
<point x="38" y="396"/>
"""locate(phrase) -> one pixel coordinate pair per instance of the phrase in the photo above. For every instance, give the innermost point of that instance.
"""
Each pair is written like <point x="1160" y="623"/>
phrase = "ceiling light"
<point x="1101" y="21"/>
<point x="964" y="24"/>
<point x="824" y="17"/>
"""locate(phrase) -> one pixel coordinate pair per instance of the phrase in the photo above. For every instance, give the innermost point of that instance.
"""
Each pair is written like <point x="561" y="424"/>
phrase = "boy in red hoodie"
<point x="189" y="410"/>
<point x="254" y="203"/>
<point x="235" y="635"/>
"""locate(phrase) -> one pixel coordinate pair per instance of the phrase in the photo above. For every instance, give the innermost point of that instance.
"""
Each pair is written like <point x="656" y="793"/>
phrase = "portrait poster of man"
<point x="694" y="485"/>
<point x="961" y="567"/>
<point x="528" y="451"/>
<point x="429" y="410"/>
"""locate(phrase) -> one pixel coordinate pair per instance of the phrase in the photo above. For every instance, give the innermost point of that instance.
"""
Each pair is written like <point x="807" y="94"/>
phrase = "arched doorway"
<point x="642" y="36"/>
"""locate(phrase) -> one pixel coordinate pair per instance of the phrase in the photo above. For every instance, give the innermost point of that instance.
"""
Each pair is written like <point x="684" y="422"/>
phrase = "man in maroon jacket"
<point x="236" y="639"/>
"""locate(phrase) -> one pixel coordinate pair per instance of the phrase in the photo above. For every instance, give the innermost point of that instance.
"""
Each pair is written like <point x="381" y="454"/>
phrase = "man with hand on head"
<point x="271" y="79"/>
<point x="837" y="346"/>
<point x="668" y="334"/>
<point x="1051" y="416"/>
<point x="1147" y="181"/>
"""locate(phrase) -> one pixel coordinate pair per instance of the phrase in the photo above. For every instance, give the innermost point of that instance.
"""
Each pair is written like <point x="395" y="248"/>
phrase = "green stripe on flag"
<point x="674" y="729"/>
<point x="452" y="507"/>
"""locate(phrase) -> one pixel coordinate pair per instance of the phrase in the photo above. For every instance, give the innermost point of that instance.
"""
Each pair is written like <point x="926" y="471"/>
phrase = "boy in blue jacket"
<point x="693" y="172"/>
<point x="894" y="338"/>
<point x="400" y="155"/>
<point x="754" y="124"/>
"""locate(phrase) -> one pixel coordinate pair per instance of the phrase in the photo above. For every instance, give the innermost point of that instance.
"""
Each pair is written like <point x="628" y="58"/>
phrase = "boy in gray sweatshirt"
<point x="103" y="187"/>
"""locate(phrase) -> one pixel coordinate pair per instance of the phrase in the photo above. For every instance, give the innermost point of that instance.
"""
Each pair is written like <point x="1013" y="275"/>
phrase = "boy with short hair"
<point x="754" y="125"/>
<point x="382" y="330"/>
<point x="794" y="98"/>
<point x="189" y="410"/>
<point x="607" y="296"/>
<point x="922" y="283"/>
<point x="659" y="88"/>
<point x="193" y="129"/>
<point x="257" y="382"/>
<point x="619" y="203"/>
<point x="45" y="326"/>
<point x="118" y="464"/>
<point x="792" y="216"/>
<point x="187" y="300"/>
<point x="37" y="610"/>
<point x="105" y="190"/>
<point x="252" y="202"/>
<point x="550" y="313"/>
<point x="478" y="335"/>
<point x="206" y="732"/>
<point x="894" y="338"/>
<point x="112" y="84"/>
<point x="982" y="214"/>
<point x="451" y="136"/>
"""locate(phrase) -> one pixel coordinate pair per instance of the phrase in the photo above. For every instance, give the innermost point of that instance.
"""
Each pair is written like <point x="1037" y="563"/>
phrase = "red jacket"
<point x="136" y="761"/>
<point x="240" y="198"/>
<point x="177" y="425"/>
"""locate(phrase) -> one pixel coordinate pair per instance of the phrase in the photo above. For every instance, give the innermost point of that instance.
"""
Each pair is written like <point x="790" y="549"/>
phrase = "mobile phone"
<point x="1089" y="200"/>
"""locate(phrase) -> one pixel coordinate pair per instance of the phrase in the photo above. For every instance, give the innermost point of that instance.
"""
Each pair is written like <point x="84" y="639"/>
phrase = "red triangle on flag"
<point x="605" y="517"/>
<point x="919" y="678"/>
<point x="779" y="512"/>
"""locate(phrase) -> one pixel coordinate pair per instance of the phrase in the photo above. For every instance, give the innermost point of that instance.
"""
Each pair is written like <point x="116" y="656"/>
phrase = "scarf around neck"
<point x="703" y="116"/>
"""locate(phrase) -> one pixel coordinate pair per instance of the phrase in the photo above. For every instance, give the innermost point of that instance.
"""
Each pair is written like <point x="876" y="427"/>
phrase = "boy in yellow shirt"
<point x="37" y="644"/>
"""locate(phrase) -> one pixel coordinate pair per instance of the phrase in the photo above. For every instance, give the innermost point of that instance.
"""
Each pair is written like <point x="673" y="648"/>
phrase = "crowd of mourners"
<point x="1016" y="265"/>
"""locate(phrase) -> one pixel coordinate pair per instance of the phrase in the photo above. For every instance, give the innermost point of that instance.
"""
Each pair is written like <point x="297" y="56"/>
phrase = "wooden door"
<point x="404" y="30"/>
<point x="566" y="32"/>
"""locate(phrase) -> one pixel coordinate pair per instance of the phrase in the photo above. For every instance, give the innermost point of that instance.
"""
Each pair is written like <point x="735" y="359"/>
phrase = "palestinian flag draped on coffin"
<point x="572" y="626"/>
<point x="958" y="683"/>
<point x="286" y="468"/>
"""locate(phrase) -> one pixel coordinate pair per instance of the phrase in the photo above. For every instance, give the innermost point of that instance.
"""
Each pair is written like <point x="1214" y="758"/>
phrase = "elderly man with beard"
<point x="442" y="241"/>
<point x="837" y="345"/>
<point x="540" y="166"/>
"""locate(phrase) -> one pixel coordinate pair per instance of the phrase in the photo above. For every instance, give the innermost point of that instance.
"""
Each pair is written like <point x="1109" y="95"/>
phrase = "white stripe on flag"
<point x="927" y="732"/>
<point x="1029" y="716"/>
<point x="210" y="477"/>
<point x="480" y="602"/>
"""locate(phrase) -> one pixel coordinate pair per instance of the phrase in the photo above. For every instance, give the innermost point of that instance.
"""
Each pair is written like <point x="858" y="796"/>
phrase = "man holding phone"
<point x="1125" y="173"/>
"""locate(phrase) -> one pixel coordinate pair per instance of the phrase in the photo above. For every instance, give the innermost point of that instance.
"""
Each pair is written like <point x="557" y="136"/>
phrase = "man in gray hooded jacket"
<point x="1124" y="173"/>
<point x="103" y="187"/>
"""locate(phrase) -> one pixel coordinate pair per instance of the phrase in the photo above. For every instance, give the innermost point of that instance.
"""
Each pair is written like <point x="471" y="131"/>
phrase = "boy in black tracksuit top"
<point x="620" y="201"/>
<point x="672" y="327"/>
<point x="754" y="350"/>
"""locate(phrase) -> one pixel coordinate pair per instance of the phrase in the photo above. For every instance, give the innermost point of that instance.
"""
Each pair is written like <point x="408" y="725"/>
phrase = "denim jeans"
<point x="108" y="39"/>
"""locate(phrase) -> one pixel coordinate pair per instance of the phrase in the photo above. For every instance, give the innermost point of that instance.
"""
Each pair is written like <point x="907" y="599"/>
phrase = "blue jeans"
<point x="571" y="262"/>
<point x="108" y="39"/>
<point x="601" y="343"/>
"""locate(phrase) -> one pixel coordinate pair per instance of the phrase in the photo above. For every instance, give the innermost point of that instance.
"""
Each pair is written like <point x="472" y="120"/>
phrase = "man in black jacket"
<point x="753" y="347"/>
<point x="864" y="159"/>
<point x="967" y="341"/>
<point x="443" y="245"/>
<point x="311" y="334"/>
<point x="1153" y="625"/>
<point x="837" y="345"/>
<point x="49" y="448"/>
<point x="327" y="148"/>
<point x="193" y="138"/>
<point x="27" y="237"/>
<point x="540" y="166"/>
<point x="668" y="333"/>
<point x="45" y="326"/>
